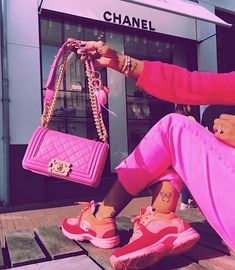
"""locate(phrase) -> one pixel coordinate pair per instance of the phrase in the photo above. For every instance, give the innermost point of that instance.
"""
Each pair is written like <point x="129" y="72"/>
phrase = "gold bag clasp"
<point x="59" y="167"/>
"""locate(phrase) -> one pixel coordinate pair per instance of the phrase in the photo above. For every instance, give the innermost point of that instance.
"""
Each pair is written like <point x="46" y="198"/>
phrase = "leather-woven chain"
<point x="94" y="84"/>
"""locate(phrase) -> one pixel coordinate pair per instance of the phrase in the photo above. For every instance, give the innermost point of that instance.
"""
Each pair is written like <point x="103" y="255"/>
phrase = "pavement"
<point x="32" y="219"/>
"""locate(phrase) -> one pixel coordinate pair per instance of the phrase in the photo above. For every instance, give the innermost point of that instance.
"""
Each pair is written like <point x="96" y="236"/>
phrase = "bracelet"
<point x="127" y="65"/>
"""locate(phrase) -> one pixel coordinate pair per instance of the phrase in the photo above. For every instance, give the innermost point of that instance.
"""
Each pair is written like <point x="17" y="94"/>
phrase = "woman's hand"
<point x="224" y="128"/>
<point x="105" y="56"/>
<point x="102" y="54"/>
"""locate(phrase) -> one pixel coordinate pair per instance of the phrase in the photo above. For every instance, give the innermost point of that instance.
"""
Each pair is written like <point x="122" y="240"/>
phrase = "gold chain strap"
<point x="91" y="75"/>
<point x="94" y="84"/>
<point x="48" y="109"/>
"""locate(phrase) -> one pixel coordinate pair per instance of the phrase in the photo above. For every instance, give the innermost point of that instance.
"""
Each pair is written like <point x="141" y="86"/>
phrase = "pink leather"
<point x="87" y="157"/>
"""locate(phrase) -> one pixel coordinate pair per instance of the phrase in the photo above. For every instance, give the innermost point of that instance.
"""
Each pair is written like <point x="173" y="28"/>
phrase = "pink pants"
<point x="206" y="165"/>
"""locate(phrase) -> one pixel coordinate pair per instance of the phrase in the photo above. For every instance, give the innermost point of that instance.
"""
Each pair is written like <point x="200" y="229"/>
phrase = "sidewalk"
<point x="33" y="219"/>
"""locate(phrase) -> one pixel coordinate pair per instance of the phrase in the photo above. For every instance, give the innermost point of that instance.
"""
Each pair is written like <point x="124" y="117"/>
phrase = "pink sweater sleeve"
<point x="176" y="84"/>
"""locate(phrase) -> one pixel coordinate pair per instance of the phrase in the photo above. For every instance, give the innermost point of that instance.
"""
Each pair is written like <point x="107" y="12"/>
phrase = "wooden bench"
<point x="46" y="248"/>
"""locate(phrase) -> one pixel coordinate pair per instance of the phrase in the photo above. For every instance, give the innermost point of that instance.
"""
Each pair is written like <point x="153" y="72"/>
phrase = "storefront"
<point x="33" y="37"/>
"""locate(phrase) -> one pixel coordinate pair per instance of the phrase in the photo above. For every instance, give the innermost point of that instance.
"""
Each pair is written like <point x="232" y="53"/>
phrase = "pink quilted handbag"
<point x="66" y="156"/>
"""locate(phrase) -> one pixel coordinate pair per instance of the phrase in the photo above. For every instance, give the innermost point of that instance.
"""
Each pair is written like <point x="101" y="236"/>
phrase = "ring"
<point x="220" y="129"/>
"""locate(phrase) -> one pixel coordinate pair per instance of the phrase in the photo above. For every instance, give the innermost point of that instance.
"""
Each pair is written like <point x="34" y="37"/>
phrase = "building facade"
<point x="31" y="33"/>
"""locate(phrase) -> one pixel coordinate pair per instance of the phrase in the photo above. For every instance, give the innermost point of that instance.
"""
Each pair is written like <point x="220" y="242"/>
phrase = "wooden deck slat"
<point x="209" y="236"/>
<point x="192" y="266"/>
<point x="218" y="263"/>
<point x="176" y="263"/>
<point x="204" y="227"/>
<point x="56" y="244"/>
<point x="23" y="248"/>
<point x="210" y="258"/>
<point x="214" y="242"/>
<point x="200" y="252"/>
<point x="101" y="256"/>
<point x="81" y="262"/>
<point x="210" y="253"/>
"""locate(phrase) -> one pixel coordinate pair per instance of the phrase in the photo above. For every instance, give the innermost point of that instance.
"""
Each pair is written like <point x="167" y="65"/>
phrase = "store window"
<point x="72" y="112"/>
<point x="143" y="111"/>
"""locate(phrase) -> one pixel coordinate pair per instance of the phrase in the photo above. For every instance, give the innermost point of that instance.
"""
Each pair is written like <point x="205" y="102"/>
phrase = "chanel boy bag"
<point x="61" y="155"/>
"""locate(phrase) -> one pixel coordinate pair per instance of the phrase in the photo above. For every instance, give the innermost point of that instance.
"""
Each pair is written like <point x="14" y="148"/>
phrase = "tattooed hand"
<point x="102" y="54"/>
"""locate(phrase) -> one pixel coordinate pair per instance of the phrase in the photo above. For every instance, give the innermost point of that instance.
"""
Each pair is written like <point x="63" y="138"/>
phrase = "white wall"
<point x="24" y="69"/>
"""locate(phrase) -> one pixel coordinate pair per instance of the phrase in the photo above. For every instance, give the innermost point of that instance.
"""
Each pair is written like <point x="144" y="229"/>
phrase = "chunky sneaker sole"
<point x="170" y="244"/>
<point x="98" y="242"/>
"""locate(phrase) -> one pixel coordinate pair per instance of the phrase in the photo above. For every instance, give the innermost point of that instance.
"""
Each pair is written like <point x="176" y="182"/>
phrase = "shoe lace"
<point x="88" y="206"/>
<point x="141" y="221"/>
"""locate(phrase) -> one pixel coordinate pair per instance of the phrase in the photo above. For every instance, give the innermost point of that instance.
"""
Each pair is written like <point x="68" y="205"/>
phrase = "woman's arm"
<point x="165" y="81"/>
<point x="178" y="85"/>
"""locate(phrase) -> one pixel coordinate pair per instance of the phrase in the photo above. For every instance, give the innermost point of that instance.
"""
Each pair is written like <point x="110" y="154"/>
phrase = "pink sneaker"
<point x="101" y="233"/>
<point x="154" y="236"/>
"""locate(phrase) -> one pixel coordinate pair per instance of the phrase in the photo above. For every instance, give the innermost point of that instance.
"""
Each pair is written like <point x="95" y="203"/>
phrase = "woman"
<point x="170" y="151"/>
